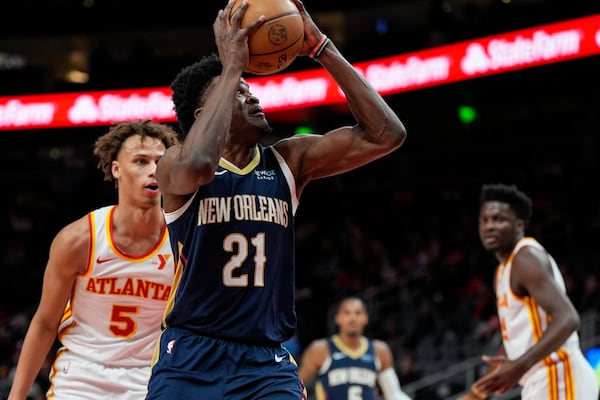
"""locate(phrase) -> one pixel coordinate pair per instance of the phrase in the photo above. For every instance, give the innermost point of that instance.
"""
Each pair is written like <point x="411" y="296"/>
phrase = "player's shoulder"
<point x="76" y="234"/>
<point x="526" y="244"/>
<point x="320" y="343"/>
<point x="318" y="348"/>
<point x="317" y="352"/>
<point x="378" y="343"/>
<point x="294" y="145"/>
<point x="531" y="253"/>
<point x="381" y="347"/>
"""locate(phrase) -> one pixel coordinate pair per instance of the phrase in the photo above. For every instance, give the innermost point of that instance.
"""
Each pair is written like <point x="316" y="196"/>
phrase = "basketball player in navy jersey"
<point x="540" y="345"/>
<point x="349" y="365"/>
<point x="230" y="205"/>
<point x="107" y="281"/>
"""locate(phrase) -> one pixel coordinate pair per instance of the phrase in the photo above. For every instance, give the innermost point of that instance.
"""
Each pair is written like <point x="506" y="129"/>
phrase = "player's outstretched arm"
<point x="67" y="258"/>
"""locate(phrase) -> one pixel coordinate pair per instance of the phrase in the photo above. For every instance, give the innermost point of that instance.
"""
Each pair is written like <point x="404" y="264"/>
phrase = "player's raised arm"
<point x="377" y="130"/>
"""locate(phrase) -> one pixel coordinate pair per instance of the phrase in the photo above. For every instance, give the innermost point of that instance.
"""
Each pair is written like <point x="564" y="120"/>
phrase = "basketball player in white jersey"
<point x="106" y="282"/>
<point x="539" y="324"/>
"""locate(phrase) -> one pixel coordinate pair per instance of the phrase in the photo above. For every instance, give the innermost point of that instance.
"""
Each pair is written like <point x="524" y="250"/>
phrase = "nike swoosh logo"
<point x="221" y="172"/>
<point x="338" y="356"/>
<point x="103" y="260"/>
<point x="279" y="358"/>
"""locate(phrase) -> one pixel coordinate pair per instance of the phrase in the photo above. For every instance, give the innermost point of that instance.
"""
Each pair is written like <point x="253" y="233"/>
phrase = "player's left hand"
<point x="503" y="375"/>
<point x="312" y="34"/>
<point x="469" y="396"/>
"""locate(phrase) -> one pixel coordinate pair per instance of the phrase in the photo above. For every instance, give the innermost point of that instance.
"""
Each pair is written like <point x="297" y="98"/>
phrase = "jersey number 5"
<point x="238" y="243"/>
<point x="121" y="322"/>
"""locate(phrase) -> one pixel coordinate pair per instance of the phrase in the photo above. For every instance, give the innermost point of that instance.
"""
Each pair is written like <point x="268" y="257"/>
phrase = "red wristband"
<point x="318" y="48"/>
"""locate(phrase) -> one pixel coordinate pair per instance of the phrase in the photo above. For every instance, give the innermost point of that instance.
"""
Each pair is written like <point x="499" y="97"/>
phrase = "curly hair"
<point x="518" y="201"/>
<point x="190" y="87"/>
<point x="106" y="148"/>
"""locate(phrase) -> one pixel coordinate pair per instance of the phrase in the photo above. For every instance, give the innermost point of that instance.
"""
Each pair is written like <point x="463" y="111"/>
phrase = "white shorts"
<point x="75" y="378"/>
<point x="580" y="384"/>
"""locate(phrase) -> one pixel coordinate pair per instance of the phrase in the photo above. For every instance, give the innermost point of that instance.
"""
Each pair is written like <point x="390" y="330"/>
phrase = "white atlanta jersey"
<point x="565" y="373"/>
<point x="114" y="314"/>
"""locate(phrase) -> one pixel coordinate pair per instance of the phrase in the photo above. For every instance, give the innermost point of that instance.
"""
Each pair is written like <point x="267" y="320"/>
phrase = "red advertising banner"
<point x="526" y="48"/>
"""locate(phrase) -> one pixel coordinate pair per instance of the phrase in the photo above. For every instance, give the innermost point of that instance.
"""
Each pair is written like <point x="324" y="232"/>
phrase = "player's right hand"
<point x="231" y="39"/>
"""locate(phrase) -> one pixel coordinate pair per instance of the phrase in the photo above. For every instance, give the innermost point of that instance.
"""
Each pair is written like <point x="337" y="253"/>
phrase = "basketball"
<point x="275" y="44"/>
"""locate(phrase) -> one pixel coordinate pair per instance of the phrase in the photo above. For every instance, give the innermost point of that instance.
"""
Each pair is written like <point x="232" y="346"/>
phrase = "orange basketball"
<point x="275" y="44"/>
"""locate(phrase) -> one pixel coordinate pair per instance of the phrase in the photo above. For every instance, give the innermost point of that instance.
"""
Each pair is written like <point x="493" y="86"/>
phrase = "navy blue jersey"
<point x="234" y="240"/>
<point x="351" y="374"/>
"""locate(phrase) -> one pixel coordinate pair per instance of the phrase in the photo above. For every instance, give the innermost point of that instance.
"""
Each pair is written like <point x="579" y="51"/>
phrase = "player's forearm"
<point x="366" y="104"/>
<point x="390" y="385"/>
<point x="38" y="342"/>
<point x="203" y="145"/>
<point x="557" y="332"/>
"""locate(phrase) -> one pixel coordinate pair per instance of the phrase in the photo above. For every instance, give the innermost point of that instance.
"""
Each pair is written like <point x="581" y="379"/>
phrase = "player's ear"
<point x="336" y="319"/>
<point x="197" y="112"/>
<point x="520" y="225"/>
<point x="115" y="170"/>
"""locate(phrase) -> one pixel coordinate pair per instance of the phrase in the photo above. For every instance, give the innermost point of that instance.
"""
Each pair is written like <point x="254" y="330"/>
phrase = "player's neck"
<point x="240" y="155"/>
<point x="351" y="341"/>
<point x="138" y="221"/>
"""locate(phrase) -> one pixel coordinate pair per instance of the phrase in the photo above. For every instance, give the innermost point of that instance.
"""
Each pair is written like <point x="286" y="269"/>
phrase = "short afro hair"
<point x="518" y="201"/>
<point x="190" y="86"/>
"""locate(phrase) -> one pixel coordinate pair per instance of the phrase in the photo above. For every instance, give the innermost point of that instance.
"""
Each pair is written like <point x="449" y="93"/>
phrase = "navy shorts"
<point x="193" y="367"/>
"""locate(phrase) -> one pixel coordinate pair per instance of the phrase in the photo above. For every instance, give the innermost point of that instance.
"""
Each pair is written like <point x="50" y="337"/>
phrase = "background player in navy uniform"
<point x="107" y="280"/>
<point x="348" y="365"/>
<point x="230" y="205"/>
